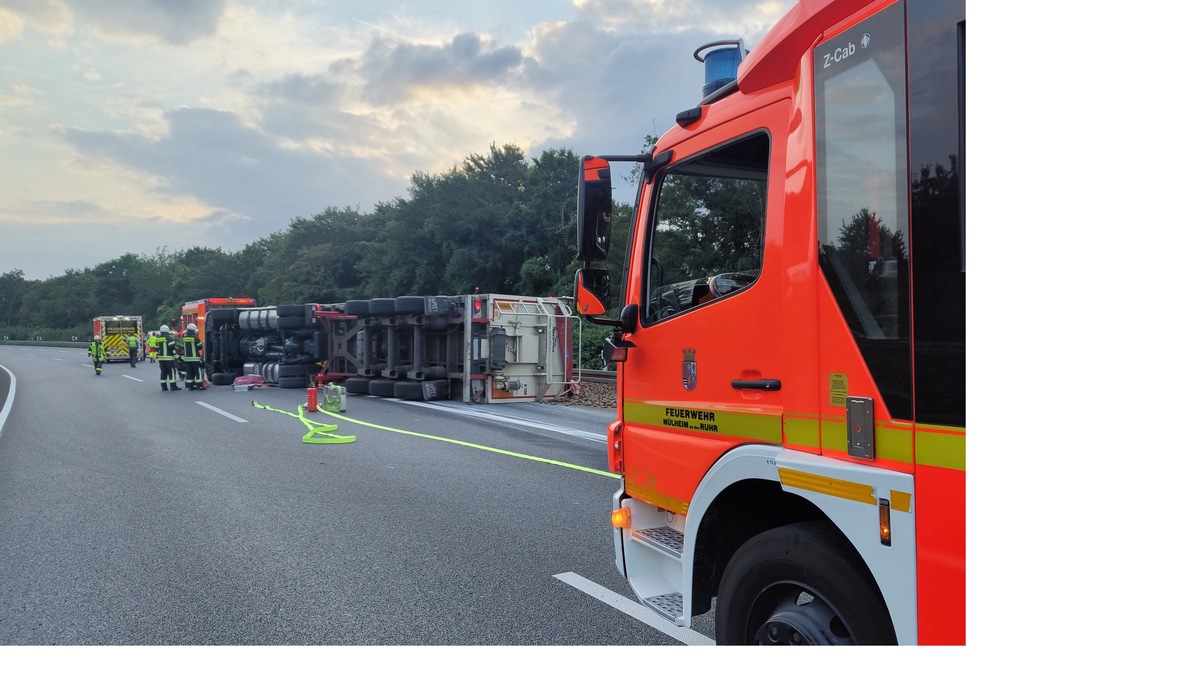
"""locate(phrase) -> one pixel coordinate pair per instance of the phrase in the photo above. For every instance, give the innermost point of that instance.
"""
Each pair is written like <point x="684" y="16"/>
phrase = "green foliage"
<point x="497" y="222"/>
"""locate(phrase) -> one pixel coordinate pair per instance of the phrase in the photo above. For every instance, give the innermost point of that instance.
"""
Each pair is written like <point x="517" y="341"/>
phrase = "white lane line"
<point x="133" y="378"/>
<point x="55" y="358"/>
<point x="217" y="410"/>
<point x="12" y="394"/>
<point x="644" y="614"/>
<point x="509" y="421"/>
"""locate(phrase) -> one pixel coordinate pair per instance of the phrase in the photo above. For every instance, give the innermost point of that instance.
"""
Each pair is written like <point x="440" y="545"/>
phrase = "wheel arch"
<point x="743" y="495"/>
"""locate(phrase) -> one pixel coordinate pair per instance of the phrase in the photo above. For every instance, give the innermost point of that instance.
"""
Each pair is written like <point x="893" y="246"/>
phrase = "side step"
<point x="664" y="545"/>
<point x="663" y="539"/>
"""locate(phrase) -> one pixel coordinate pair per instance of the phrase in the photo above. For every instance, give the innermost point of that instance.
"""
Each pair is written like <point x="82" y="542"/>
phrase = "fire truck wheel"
<point x="800" y="585"/>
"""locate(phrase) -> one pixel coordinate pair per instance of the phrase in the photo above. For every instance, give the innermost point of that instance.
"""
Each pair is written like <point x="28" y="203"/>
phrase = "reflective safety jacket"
<point x="96" y="350"/>
<point x="192" y="347"/>
<point x="166" y="347"/>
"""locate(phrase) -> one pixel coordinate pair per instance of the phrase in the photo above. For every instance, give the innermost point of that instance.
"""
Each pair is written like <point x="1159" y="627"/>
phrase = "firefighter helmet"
<point x="95" y="337"/>
<point x="191" y="326"/>
<point x="163" y="328"/>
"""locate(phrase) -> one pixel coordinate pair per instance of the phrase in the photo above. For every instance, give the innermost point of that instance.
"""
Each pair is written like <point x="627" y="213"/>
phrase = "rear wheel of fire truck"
<point x="800" y="584"/>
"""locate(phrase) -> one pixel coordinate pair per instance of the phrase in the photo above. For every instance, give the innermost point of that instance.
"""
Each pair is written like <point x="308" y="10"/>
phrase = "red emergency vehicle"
<point x="790" y="335"/>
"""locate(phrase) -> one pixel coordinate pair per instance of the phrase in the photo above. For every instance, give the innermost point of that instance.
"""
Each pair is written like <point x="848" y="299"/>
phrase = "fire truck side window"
<point x="862" y="204"/>
<point x="709" y="221"/>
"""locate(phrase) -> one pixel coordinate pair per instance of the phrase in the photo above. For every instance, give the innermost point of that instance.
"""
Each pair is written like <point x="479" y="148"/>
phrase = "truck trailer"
<point x="481" y="348"/>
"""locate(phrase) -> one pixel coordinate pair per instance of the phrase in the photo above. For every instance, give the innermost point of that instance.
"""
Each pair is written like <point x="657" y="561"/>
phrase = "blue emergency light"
<point x="720" y="65"/>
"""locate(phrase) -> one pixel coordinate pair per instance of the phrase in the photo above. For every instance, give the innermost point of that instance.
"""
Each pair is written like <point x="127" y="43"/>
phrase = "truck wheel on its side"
<point x="357" y="385"/>
<point x="800" y="584"/>
<point x="408" y="390"/>
<point x="381" y="306"/>
<point x="291" y="310"/>
<point x="222" y="379"/>
<point x="291" y="322"/>
<point x="380" y="387"/>
<point x="358" y="308"/>
<point x="293" y="382"/>
<point x="292" y="370"/>
<point x="410" y="304"/>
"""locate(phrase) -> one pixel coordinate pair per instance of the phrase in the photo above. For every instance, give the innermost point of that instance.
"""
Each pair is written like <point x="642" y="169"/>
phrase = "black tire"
<point x="293" y="382"/>
<point x="291" y="322"/>
<point x="757" y="598"/>
<point x="291" y="310"/>
<point x="408" y="390"/>
<point x="293" y="370"/>
<point x="434" y="373"/>
<point x="220" y="315"/>
<point x="381" y="306"/>
<point x="358" y="307"/>
<point x="222" y="379"/>
<point x="380" y="387"/>
<point x="357" y="385"/>
<point x="410" y="304"/>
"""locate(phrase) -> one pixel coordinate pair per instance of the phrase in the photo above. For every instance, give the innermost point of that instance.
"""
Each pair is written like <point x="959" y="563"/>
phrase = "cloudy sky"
<point x="135" y="125"/>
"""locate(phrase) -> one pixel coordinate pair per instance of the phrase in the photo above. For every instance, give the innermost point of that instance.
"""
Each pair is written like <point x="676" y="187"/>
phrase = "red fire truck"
<point x="790" y="335"/>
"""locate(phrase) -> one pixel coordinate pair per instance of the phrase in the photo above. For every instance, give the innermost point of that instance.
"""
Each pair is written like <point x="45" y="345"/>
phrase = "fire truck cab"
<point x="790" y="335"/>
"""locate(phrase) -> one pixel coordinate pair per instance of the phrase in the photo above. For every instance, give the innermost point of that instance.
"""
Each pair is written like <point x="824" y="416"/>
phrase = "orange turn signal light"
<point x="622" y="518"/>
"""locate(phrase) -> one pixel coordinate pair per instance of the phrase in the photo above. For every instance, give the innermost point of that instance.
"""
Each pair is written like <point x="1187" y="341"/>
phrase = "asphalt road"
<point x="130" y="516"/>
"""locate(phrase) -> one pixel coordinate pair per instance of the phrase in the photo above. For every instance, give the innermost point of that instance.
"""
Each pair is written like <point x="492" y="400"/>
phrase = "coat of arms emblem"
<point x="689" y="369"/>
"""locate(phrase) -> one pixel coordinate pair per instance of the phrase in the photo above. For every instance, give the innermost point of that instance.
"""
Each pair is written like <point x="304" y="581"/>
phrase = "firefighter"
<point x="133" y="351"/>
<point x="151" y="346"/>
<point x="192" y="352"/>
<point x="96" y="351"/>
<point x="166" y="358"/>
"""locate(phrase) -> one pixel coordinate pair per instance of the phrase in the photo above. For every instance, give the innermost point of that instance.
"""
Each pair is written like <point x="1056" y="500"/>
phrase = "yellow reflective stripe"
<point x="804" y="430"/>
<point x="834" y="487"/>
<point x="944" y="447"/>
<point x="842" y="489"/>
<point x="657" y="498"/>
<point x="755" y="426"/>
<point x="901" y="501"/>
<point x="893" y="440"/>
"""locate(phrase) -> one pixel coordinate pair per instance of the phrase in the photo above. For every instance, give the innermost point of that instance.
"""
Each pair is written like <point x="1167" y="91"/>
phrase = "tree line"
<point x="496" y="223"/>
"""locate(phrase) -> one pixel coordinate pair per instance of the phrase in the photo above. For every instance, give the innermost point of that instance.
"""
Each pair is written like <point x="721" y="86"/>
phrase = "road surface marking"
<point x="623" y="604"/>
<point x="533" y="458"/>
<point x="508" y="421"/>
<point x="12" y="394"/>
<point x="133" y="378"/>
<point x="217" y="410"/>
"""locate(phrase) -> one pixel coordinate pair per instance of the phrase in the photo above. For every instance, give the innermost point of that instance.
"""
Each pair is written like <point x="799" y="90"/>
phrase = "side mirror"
<point x="595" y="209"/>
<point x="591" y="291"/>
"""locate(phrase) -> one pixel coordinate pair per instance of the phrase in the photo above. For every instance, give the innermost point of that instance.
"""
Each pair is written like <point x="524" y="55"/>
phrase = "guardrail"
<point x="606" y="376"/>
<point x="43" y="343"/>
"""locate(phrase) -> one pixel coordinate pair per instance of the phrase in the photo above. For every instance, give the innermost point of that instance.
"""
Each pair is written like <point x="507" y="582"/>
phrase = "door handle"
<point x="765" y="385"/>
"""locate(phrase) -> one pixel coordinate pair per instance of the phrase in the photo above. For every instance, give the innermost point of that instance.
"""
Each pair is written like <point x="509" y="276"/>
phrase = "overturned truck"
<point x="476" y="348"/>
